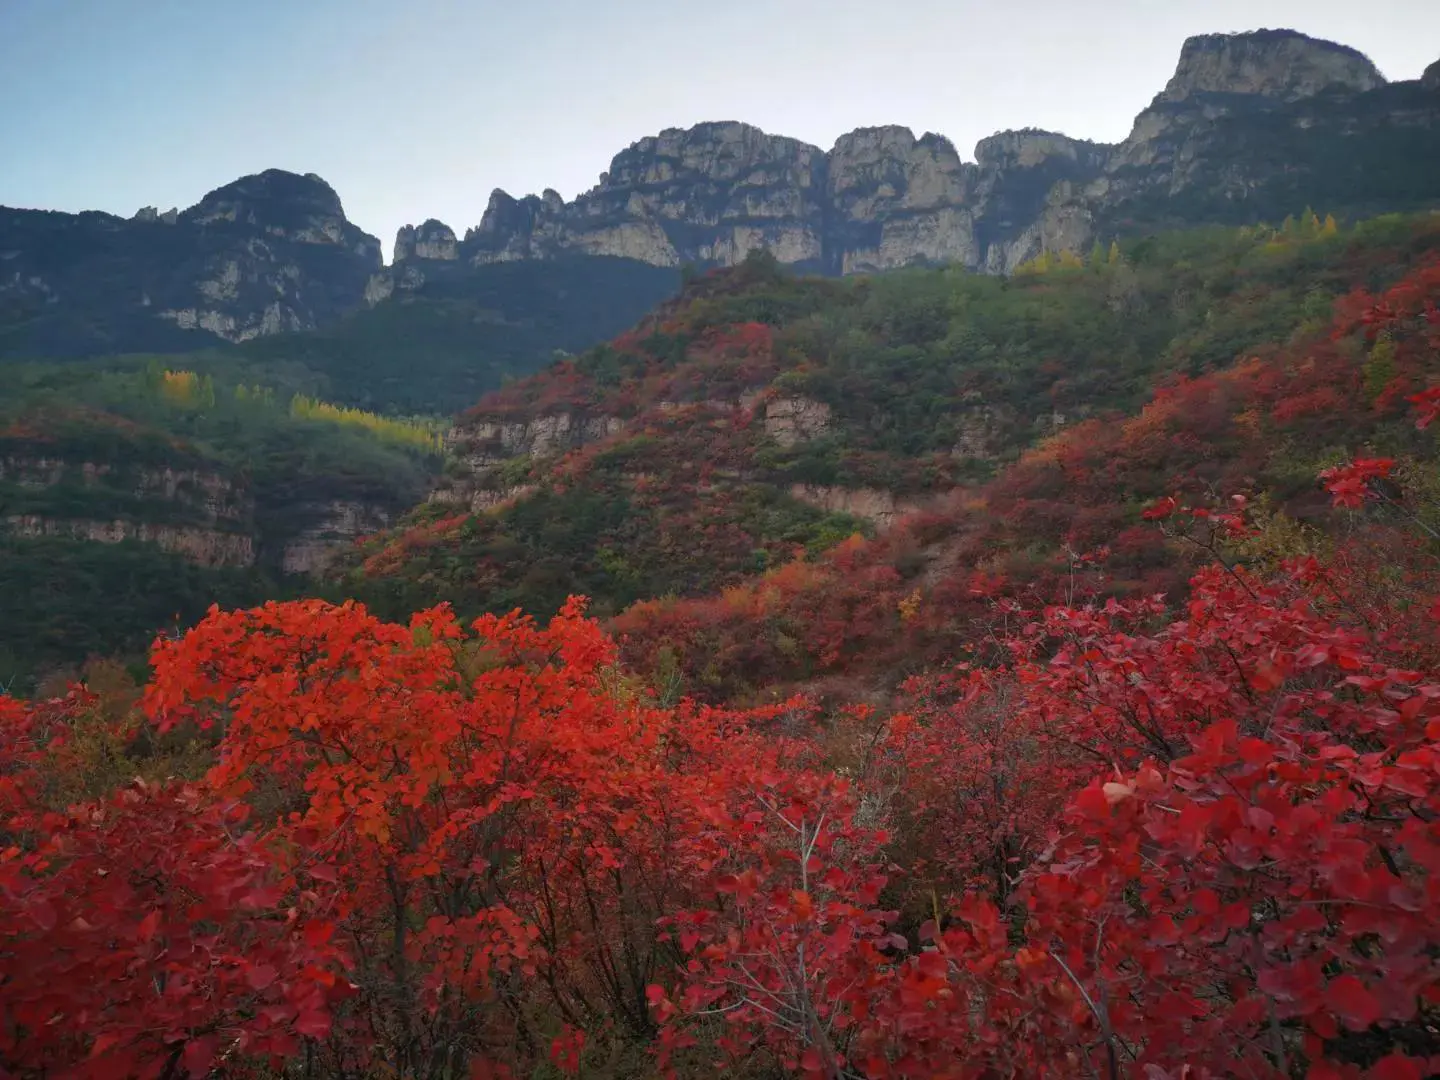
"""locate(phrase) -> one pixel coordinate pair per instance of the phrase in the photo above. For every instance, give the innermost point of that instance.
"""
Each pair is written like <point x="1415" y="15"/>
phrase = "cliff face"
<point x="207" y="517"/>
<point x="431" y="240"/>
<point x="268" y="253"/>
<point x="1257" y="126"/>
<point x="1250" y="125"/>
<point x="879" y="199"/>
<point x="707" y="194"/>
<point x="894" y="199"/>
<point x="1276" y="63"/>
<point x="334" y="525"/>
<point x="204" y="516"/>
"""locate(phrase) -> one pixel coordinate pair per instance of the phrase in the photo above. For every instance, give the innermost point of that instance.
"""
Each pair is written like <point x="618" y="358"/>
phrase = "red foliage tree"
<point x="148" y="934"/>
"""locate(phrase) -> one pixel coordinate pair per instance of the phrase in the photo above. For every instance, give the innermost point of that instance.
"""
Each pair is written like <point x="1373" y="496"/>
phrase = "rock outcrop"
<point x="268" y="253"/>
<point x="792" y="420"/>
<point x="875" y="505"/>
<point x="894" y="199"/>
<point x="201" y="515"/>
<point x="489" y="442"/>
<point x="706" y="194"/>
<point x="207" y="517"/>
<point x="334" y="526"/>
<point x="204" y="547"/>
<point x="1204" y="150"/>
<point x="1276" y="63"/>
<point x="431" y="239"/>
<point x="203" y="496"/>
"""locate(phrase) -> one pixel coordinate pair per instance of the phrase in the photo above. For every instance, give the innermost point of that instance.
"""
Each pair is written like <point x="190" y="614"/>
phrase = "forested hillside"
<point x="134" y="495"/>
<point x="763" y="416"/>
<point x="137" y="490"/>
<point x="437" y="346"/>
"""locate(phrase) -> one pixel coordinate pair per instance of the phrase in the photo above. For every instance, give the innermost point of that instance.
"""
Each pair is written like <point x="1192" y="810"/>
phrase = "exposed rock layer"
<point x="204" y="547"/>
<point x="335" y="525"/>
<point x="206" y="517"/>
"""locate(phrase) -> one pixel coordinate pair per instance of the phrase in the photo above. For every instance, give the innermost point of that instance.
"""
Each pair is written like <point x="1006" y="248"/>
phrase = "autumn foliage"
<point x="1115" y="833"/>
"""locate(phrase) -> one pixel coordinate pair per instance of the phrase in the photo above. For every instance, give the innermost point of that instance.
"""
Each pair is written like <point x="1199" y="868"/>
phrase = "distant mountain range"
<point x="1251" y="127"/>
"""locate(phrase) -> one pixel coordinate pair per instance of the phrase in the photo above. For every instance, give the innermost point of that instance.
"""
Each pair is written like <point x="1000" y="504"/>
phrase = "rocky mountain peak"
<point x="723" y="151"/>
<point x="431" y="239"/>
<point x="878" y="171"/>
<point x="503" y="214"/>
<point x="1431" y="78"/>
<point x="270" y="196"/>
<point x="151" y="215"/>
<point x="1032" y="146"/>
<point x="1277" y="63"/>
<point x="267" y="253"/>
<point x="886" y="139"/>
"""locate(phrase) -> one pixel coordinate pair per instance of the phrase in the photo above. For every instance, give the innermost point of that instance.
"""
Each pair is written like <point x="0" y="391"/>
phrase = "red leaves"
<point x="1161" y="509"/>
<point x="517" y="811"/>
<point x="1398" y="1067"/>
<point x="1356" y="1007"/>
<point x="260" y="976"/>
<point x="141" y="932"/>
<point x="313" y="1024"/>
<point x="1180" y="831"/>
<point x="1349" y="485"/>
<point x="147" y="927"/>
<point x="565" y="1050"/>
<point x="1427" y="402"/>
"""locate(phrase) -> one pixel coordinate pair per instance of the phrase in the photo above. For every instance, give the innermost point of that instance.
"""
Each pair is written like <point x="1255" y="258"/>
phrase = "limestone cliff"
<point x="208" y="517"/>
<point x="1257" y="126"/>
<point x="204" y="547"/>
<point x="204" y="516"/>
<point x="1277" y="63"/>
<point x="333" y="526"/>
<point x="895" y="199"/>
<point x="707" y="194"/>
<point x="1250" y="126"/>
<point x="430" y="240"/>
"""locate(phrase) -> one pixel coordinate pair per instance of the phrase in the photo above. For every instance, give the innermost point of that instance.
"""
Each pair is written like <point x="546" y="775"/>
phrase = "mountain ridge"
<point x="1250" y="127"/>
<point x="881" y="198"/>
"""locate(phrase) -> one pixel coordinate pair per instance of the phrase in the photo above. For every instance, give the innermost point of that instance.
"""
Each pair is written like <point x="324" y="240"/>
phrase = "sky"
<point x="419" y="108"/>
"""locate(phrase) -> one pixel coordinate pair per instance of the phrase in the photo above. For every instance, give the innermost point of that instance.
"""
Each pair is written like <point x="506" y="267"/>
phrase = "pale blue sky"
<point x="418" y="108"/>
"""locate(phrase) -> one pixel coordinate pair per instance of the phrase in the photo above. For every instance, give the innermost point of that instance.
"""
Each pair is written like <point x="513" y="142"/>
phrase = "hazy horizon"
<point x="419" y="113"/>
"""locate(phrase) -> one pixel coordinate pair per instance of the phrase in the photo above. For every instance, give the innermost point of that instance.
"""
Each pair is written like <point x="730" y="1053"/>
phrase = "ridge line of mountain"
<point x="1250" y="126"/>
